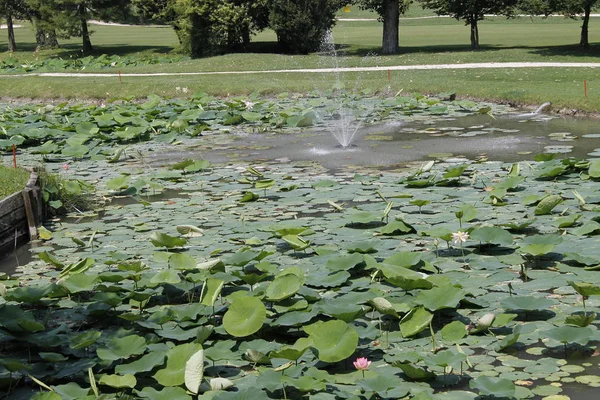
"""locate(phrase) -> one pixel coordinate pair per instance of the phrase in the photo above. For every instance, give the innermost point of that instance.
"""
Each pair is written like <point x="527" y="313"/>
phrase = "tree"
<point x="209" y="27"/>
<point x="471" y="11"/>
<point x="10" y="9"/>
<point x="68" y="18"/>
<point x="569" y="8"/>
<point x="389" y="13"/>
<point x="301" y="25"/>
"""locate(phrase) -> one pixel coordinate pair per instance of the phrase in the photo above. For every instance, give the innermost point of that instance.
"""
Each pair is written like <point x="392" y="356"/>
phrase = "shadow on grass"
<point x="548" y="51"/>
<point x="73" y="50"/>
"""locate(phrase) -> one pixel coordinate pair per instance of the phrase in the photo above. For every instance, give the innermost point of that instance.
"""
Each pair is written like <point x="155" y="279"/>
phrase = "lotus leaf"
<point x="415" y="322"/>
<point x="118" y="381"/>
<point x="364" y="247"/>
<point x="84" y="340"/>
<point x="588" y="228"/>
<point x="241" y="257"/>
<point x="539" y="245"/>
<point x="491" y="386"/>
<point x="445" y="358"/>
<point x="585" y="289"/>
<point x="415" y="373"/>
<point x="283" y="287"/>
<point x="220" y="383"/>
<point x="30" y="294"/>
<point x="404" y="259"/>
<point x="397" y="227"/>
<point x="440" y="297"/>
<point x="581" y="320"/>
<point x="144" y="364"/>
<point x="79" y="283"/>
<point x="71" y="391"/>
<point x="454" y="331"/>
<point x="244" y="317"/>
<point x="46" y="396"/>
<point x="571" y="334"/>
<point x="492" y="235"/>
<point x="124" y="347"/>
<point x="182" y="261"/>
<point x="594" y="169"/>
<point x="210" y="291"/>
<point x="292" y="352"/>
<point x="405" y="278"/>
<point x="194" y="371"/>
<point x="527" y="303"/>
<point x="568" y="221"/>
<point x="166" y="276"/>
<point x="384" y="386"/>
<point x="296" y="242"/>
<point x="168" y="393"/>
<point x="334" y="340"/>
<point x="160" y="239"/>
<point x="547" y="204"/>
<point x="177" y="357"/>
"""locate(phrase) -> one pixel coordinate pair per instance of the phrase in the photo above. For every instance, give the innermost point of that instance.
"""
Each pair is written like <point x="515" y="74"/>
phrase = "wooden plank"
<point x="33" y="233"/>
<point x="9" y="221"/>
<point x="11" y="203"/>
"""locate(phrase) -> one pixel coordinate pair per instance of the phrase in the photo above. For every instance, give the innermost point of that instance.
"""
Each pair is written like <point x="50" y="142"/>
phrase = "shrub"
<point x="301" y="25"/>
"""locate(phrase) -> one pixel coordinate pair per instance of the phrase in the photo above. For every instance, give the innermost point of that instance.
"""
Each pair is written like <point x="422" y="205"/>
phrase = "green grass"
<point x="12" y="180"/>
<point x="424" y="41"/>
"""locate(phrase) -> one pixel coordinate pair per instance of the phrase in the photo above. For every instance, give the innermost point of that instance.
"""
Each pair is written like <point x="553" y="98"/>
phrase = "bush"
<point x="301" y="25"/>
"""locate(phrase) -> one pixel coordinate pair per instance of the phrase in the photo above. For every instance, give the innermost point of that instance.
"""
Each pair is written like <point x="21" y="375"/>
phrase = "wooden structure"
<point x="20" y="215"/>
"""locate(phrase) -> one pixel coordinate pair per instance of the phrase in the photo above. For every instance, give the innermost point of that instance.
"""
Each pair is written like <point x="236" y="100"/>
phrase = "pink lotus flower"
<point x="65" y="167"/>
<point x="362" y="364"/>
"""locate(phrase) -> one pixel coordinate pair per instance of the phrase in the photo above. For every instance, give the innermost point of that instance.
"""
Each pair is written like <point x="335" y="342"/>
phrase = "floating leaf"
<point x="244" y="317"/>
<point x="539" y="245"/>
<point x="283" y="287"/>
<point x="118" y="381"/>
<point x="334" y="340"/>
<point x="494" y="387"/>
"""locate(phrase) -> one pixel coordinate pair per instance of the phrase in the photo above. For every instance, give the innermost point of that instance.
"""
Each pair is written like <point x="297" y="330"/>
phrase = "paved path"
<point x="320" y="70"/>
<point x="449" y="16"/>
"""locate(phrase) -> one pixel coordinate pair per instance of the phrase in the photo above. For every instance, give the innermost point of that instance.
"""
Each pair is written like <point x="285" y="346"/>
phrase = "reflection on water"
<point x="10" y="260"/>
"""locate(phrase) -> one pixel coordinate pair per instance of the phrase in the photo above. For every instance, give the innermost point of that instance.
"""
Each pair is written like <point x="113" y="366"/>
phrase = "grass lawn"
<point x="12" y="180"/>
<point x="423" y="41"/>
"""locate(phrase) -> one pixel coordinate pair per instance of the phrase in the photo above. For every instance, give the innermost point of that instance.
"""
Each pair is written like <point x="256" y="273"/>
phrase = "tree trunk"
<point x="12" y="44"/>
<point x="584" y="41"/>
<point x="85" y="34"/>
<point x="391" y="22"/>
<point x="246" y="35"/>
<point x="474" y="34"/>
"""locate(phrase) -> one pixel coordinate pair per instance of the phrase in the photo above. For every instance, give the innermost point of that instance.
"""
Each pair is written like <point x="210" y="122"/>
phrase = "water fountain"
<point x="343" y="124"/>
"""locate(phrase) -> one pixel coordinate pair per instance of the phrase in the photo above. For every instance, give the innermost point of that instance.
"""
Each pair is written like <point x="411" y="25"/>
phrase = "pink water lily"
<point x="362" y="363"/>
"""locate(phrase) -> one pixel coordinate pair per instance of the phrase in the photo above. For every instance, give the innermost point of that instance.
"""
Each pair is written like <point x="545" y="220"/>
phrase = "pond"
<point x="266" y="266"/>
<point x="505" y="137"/>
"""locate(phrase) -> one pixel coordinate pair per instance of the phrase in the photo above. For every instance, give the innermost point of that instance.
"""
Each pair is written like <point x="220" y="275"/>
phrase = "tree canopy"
<point x="471" y="11"/>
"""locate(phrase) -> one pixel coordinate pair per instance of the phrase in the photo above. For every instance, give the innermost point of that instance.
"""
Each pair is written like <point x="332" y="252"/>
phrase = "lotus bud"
<point x="485" y="321"/>
<point x="383" y="306"/>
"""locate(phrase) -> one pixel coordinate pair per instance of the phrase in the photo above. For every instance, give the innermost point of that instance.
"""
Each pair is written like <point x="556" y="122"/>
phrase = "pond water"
<point x="508" y="138"/>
